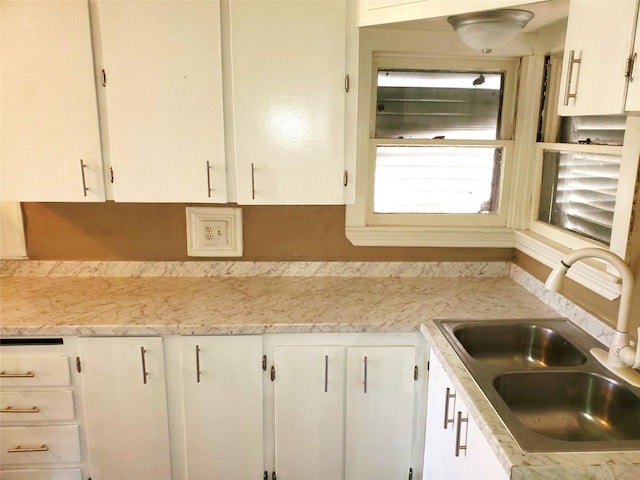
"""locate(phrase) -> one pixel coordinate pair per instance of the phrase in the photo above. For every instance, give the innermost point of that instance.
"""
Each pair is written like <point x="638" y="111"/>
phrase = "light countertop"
<point x="82" y="298"/>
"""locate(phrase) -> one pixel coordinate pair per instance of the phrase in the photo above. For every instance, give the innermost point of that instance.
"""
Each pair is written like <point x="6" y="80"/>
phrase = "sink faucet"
<point x="622" y="358"/>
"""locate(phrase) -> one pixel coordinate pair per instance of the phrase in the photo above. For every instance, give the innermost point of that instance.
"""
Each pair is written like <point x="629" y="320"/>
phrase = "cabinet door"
<point x="598" y="81"/>
<point x="309" y="412"/>
<point x="481" y="462"/>
<point x="164" y="99"/>
<point x="288" y="61"/>
<point x="633" y="92"/>
<point x="455" y="448"/>
<point x="125" y="407"/>
<point x="222" y="384"/>
<point x="379" y="419"/>
<point x="48" y="108"/>
<point x="440" y="460"/>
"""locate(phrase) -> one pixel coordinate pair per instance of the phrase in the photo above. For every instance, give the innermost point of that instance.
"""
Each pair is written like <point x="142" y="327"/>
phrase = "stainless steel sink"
<point x="546" y="387"/>
<point x="518" y="345"/>
<point x="572" y="406"/>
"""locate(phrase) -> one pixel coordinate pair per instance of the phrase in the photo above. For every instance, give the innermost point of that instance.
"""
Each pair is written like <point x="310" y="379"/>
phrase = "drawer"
<point x="44" y="474"/>
<point x="55" y="444"/>
<point x="24" y="407"/>
<point x="34" y="370"/>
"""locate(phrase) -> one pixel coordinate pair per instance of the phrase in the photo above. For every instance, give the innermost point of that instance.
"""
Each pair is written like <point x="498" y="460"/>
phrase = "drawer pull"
<point x="19" y="449"/>
<point x="17" y="375"/>
<point x="10" y="409"/>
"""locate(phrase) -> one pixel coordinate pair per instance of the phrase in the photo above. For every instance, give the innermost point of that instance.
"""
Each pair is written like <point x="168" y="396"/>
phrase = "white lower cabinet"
<point x="222" y="388"/>
<point x="379" y="421"/>
<point x="309" y="411"/>
<point x="455" y="449"/>
<point x="126" y="407"/>
<point x="342" y="408"/>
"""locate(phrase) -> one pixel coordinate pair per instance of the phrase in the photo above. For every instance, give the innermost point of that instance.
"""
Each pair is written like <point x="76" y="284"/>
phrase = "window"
<point x="579" y="177"/>
<point x="583" y="187"/>
<point x="439" y="145"/>
<point x="579" y="186"/>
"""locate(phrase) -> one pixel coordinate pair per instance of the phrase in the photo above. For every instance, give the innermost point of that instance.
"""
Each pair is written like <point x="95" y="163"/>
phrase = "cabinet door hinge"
<point x="273" y="373"/>
<point x="264" y="363"/>
<point x="347" y="83"/>
<point x="104" y="78"/>
<point x="631" y="65"/>
<point x="415" y="373"/>
<point x="345" y="178"/>
<point x="274" y="476"/>
<point x="78" y="365"/>
<point x="111" y="174"/>
<point x="428" y="365"/>
<point x="411" y="474"/>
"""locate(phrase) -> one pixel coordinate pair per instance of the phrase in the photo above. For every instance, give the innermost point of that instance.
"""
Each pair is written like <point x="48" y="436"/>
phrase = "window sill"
<point x="430" y="236"/>
<point x="586" y="274"/>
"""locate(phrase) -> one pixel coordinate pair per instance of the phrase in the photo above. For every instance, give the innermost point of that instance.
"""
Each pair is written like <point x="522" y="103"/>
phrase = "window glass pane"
<point x="600" y="129"/>
<point x="578" y="192"/>
<point x="434" y="179"/>
<point x="432" y="104"/>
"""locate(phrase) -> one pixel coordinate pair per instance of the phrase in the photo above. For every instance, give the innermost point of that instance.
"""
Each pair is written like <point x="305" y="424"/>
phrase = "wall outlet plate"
<point x="214" y="232"/>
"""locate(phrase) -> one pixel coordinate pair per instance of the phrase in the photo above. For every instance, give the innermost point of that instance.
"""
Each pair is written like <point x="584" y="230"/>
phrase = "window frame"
<point x="365" y="227"/>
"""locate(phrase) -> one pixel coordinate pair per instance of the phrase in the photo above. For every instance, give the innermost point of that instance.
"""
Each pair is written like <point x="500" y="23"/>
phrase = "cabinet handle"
<point x="567" y="88"/>
<point x="365" y="374"/>
<point x="143" y="352"/>
<point x="458" y="434"/>
<point x="19" y="449"/>
<point x="326" y="373"/>
<point x="198" y="363"/>
<point x="208" y="179"/>
<point x="17" y="375"/>
<point x="253" y="182"/>
<point x="448" y="396"/>
<point x="10" y="409"/>
<point x="85" y="189"/>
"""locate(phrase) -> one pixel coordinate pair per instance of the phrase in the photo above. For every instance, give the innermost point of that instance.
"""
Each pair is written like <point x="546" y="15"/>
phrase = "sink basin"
<point x="549" y="391"/>
<point x="518" y="345"/>
<point x="572" y="406"/>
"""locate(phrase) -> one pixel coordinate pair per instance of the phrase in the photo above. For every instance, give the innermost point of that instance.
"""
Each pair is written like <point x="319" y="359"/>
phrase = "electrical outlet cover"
<point x="214" y="232"/>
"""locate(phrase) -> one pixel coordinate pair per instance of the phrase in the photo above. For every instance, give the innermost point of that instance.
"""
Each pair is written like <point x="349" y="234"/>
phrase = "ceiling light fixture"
<point x="485" y="31"/>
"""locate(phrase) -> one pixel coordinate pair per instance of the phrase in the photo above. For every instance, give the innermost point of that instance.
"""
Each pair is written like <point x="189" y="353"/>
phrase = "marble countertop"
<point x="55" y="298"/>
<point x="252" y="305"/>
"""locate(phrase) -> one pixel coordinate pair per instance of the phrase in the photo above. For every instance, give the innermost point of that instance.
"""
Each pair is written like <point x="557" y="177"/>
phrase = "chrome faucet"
<point x="622" y="357"/>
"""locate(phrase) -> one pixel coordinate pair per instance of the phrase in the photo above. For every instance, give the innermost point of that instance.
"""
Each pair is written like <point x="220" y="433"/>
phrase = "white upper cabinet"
<point x="376" y="12"/>
<point x="162" y="61"/>
<point x="289" y="66"/>
<point x="633" y="92"/>
<point x="598" y="45"/>
<point x="49" y="135"/>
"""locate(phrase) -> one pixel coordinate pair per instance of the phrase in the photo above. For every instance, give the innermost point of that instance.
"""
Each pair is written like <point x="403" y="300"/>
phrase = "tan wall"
<point x="157" y="232"/>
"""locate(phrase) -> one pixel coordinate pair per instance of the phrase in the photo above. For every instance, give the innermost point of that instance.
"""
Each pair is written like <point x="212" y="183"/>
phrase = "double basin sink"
<point x="546" y="387"/>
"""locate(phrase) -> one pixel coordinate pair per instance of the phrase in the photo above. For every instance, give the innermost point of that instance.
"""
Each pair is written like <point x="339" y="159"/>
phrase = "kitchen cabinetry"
<point x="49" y="134"/>
<point x="594" y="79"/>
<point x="163" y="84"/>
<point x="289" y="80"/>
<point x="126" y="415"/>
<point x="455" y="449"/>
<point x="376" y="12"/>
<point x="309" y="411"/>
<point x="222" y="388"/>
<point x="39" y="422"/>
<point x="633" y="91"/>
<point x="342" y="410"/>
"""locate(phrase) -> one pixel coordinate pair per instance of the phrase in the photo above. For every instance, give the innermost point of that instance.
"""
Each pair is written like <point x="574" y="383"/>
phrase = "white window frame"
<point x="364" y="227"/>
